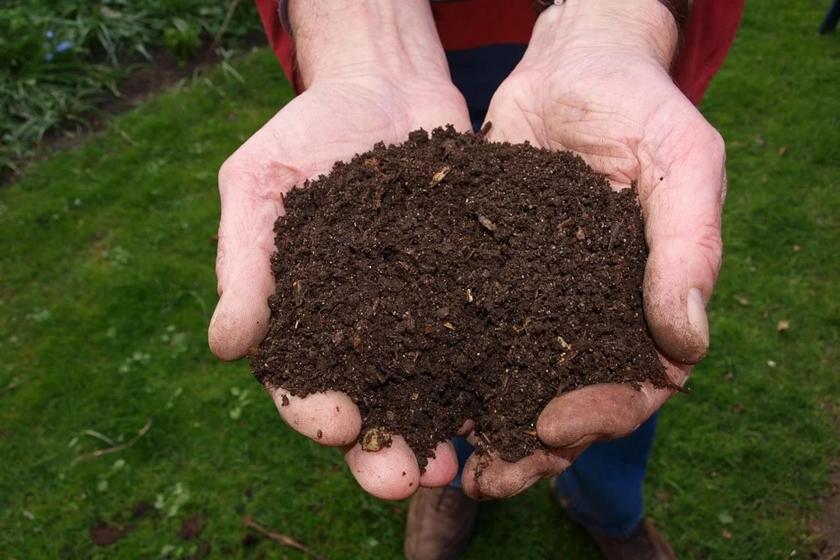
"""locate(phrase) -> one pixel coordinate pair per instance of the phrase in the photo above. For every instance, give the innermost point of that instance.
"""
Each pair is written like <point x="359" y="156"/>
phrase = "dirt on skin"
<point x="162" y="71"/>
<point x="449" y="278"/>
<point x="825" y="527"/>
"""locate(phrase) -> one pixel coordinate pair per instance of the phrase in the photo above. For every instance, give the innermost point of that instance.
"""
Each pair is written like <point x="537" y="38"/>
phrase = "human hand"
<point x="373" y="73"/>
<point x="595" y="81"/>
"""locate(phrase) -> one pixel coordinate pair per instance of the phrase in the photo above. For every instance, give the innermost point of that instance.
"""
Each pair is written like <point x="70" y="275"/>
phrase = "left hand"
<point x="595" y="81"/>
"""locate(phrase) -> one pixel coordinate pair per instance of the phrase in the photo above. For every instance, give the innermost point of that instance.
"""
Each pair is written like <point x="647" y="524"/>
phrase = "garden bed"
<point x="65" y="67"/>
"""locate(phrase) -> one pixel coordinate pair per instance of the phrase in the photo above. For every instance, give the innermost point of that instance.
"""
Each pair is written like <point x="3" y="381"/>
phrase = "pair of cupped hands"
<point x="595" y="81"/>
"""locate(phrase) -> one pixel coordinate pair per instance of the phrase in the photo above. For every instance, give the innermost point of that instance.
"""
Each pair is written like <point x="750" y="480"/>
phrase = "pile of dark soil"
<point x="449" y="278"/>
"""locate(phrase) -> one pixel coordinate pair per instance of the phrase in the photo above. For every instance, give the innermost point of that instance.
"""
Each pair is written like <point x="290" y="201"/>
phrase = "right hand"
<point x="334" y="119"/>
<point x="595" y="81"/>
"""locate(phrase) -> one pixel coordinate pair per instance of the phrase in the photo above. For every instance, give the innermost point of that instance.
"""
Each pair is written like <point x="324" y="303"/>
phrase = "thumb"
<point x="682" y="224"/>
<point x="250" y="207"/>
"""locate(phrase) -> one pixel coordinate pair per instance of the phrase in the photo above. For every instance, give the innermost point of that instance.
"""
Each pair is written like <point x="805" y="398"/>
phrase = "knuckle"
<point x="714" y="142"/>
<point x="227" y="171"/>
<point x="232" y="170"/>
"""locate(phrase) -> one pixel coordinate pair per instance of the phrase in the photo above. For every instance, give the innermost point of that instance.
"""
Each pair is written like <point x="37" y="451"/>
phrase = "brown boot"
<point x="440" y="524"/>
<point x="645" y="543"/>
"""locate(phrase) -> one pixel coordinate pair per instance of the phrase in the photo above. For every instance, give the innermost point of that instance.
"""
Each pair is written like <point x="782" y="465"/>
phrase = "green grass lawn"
<point x="106" y="287"/>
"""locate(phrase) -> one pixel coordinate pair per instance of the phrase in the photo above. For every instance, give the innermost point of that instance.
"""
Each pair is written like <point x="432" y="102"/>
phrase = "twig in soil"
<point x="100" y="452"/>
<point x="279" y="538"/>
<point x="486" y="223"/>
<point x="524" y="325"/>
<point x="485" y="129"/>
<point x="563" y="344"/>
<point x="565" y="223"/>
<point x="568" y="356"/>
<point x="612" y="234"/>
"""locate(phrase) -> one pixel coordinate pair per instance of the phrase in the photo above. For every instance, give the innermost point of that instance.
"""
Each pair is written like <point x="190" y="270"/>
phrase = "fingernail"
<point x="697" y="317"/>
<point x="530" y="482"/>
<point x="585" y="440"/>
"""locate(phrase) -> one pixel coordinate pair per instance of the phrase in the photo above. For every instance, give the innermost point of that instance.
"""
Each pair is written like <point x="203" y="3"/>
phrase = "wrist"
<point x="642" y="28"/>
<point x="346" y="39"/>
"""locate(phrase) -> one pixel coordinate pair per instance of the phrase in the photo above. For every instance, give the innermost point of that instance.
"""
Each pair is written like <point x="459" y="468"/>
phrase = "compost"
<point x="451" y="278"/>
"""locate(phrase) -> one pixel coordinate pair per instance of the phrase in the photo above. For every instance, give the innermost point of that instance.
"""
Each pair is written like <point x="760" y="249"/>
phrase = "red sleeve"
<point x="280" y="41"/>
<point x="709" y="34"/>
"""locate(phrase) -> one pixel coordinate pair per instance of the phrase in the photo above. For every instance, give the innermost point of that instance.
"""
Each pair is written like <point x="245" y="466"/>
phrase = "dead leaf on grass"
<point x="105" y="534"/>
<point x="742" y="300"/>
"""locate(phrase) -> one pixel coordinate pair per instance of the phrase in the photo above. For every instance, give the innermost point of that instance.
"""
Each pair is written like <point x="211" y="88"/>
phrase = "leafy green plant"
<point x="60" y="58"/>
<point x="182" y="39"/>
<point x="21" y="41"/>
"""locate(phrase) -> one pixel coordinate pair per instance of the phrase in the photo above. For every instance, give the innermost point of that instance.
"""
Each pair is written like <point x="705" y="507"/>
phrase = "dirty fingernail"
<point x="585" y="440"/>
<point x="698" y="320"/>
<point x="533" y="480"/>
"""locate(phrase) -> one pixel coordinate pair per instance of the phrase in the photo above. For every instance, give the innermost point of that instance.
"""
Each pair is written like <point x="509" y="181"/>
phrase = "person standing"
<point x="617" y="83"/>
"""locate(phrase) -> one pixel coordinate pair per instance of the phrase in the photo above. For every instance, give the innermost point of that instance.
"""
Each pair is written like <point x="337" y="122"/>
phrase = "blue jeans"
<point x="829" y="24"/>
<point x="602" y="490"/>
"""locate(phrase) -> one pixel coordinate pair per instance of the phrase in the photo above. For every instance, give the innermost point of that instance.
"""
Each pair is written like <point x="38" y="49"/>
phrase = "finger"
<point x="442" y="468"/>
<point x="682" y="209"/>
<point x="328" y="418"/>
<point x="602" y="412"/>
<point x="487" y="476"/>
<point x="240" y="320"/>
<point x="390" y="473"/>
<point x="251" y="199"/>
